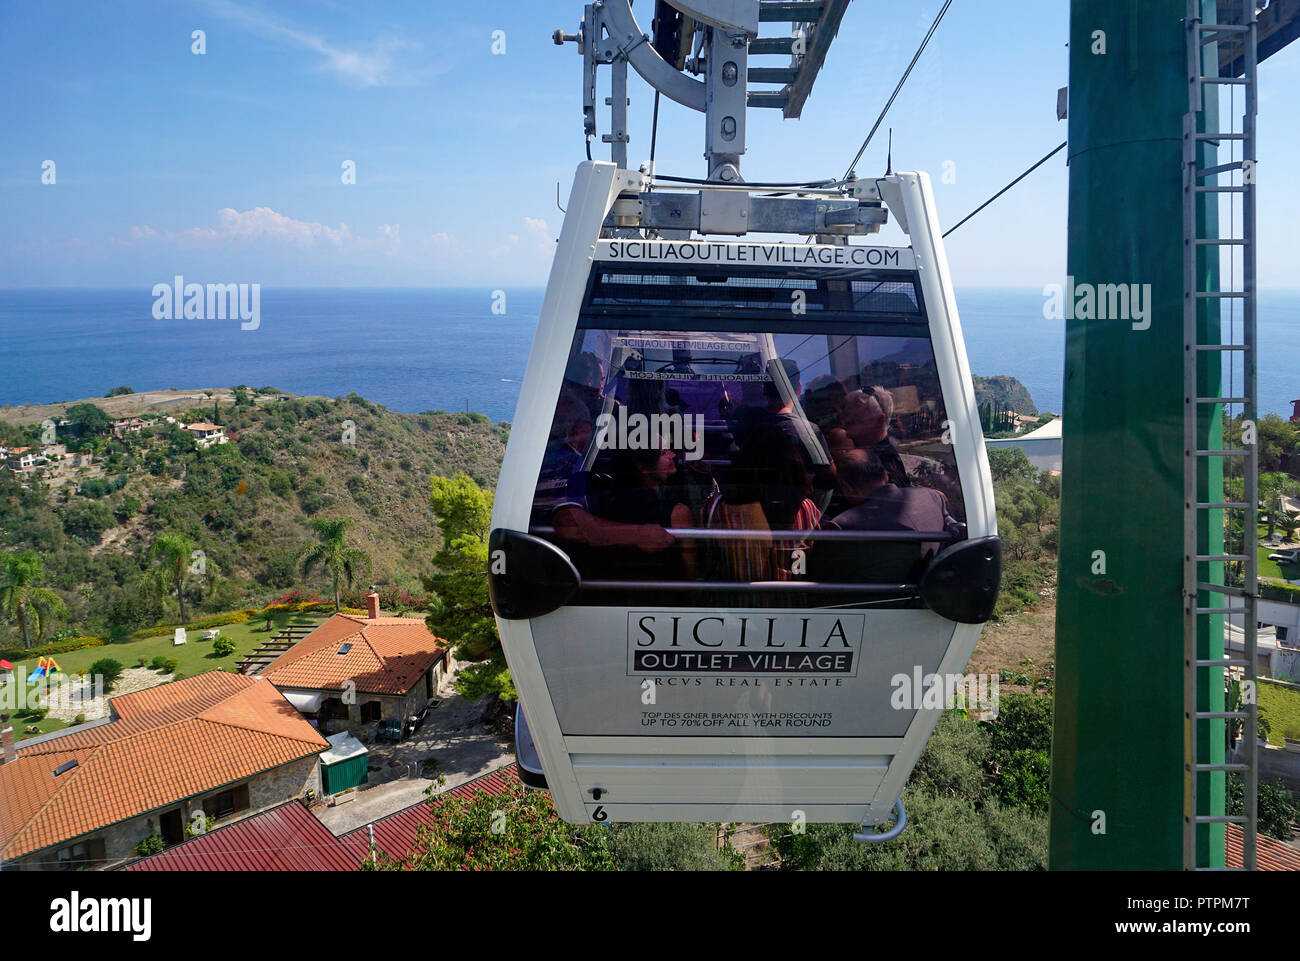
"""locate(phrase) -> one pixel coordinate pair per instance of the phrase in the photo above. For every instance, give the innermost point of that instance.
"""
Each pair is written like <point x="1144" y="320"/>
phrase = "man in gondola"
<point x="880" y="505"/>
<point x="867" y="416"/>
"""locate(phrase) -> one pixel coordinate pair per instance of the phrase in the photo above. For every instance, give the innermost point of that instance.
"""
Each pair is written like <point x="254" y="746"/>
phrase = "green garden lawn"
<point x="194" y="657"/>
<point x="1282" y="705"/>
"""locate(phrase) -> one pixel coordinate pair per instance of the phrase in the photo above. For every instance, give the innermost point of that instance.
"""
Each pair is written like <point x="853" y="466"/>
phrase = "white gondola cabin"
<point x="744" y="516"/>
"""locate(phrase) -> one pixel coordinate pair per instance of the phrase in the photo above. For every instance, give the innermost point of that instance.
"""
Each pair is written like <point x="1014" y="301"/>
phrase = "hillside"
<point x="247" y="504"/>
<point x="1004" y="393"/>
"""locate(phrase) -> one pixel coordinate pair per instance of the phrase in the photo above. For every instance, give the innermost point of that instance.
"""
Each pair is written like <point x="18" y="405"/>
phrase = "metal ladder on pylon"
<point x="1209" y="597"/>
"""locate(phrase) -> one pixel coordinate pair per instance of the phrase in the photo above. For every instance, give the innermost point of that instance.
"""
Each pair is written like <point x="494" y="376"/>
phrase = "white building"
<point x="1042" y="446"/>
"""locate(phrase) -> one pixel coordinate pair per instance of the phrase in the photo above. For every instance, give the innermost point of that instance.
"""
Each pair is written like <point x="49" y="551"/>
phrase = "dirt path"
<point x="1030" y="634"/>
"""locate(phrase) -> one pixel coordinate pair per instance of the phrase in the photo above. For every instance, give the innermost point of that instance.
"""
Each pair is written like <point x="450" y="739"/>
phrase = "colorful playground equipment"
<point x="45" y="667"/>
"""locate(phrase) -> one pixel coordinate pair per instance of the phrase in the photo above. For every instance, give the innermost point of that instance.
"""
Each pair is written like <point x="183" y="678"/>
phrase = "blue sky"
<point x="227" y="166"/>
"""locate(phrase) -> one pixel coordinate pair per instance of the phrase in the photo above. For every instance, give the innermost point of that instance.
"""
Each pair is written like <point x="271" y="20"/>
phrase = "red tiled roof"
<point x="389" y="655"/>
<point x="396" y="834"/>
<point x="1270" y="854"/>
<point x="285" y="838"/>
<point x="167" y="743"/>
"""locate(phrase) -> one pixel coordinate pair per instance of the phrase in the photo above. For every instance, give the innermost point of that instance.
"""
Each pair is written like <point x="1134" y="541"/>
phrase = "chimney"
<point x="372" y="605"/>
<point x="7" y="750"/>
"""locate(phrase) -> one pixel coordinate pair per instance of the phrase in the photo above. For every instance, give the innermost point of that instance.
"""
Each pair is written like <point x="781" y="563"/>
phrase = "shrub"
<point x="158" y="663"/>
<point x="223" y="647"/>
<point x="170" y="665"/>
<point x="79" y="719"/>
<point x="150" y="845"/>
<point x="48" y="650"/>
<point x="109" y="669"/>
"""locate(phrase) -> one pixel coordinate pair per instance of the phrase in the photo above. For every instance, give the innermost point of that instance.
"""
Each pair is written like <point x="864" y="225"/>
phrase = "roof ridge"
<point x="256" y="730"/>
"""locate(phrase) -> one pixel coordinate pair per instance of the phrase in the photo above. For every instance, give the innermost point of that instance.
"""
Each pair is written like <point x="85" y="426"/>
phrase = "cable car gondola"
<point x="744" y="503"/>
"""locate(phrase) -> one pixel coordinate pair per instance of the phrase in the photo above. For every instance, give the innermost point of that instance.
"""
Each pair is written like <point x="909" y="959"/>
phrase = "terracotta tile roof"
<point x="395" y="835"/>
<point x="285" y="838"/>
<point x="1270" y="854"/>
<point x="389" y="655"/>
<point x="168" y="743"/>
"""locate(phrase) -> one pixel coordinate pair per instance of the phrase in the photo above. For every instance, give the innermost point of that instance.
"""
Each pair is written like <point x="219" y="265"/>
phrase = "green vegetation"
<point x="332" y="554"/>
<point x="180" y="564"/>
<point x="976" y="801"/>
<point x="119" y="391"/>
<point x="460" y="608"/>
<point x="518" y="830"/>
<point x="109" y="669"/>
<point x="1029" y="508"/>
<point x="1004" y="393"/>
<point x="248" y="505"/>
<point x="195" y="657"/>
<point x="1282" y="705"/>
<point x="24" y="599"/>
<point x="1276" y="811"/>
<point x="150" y="845"/>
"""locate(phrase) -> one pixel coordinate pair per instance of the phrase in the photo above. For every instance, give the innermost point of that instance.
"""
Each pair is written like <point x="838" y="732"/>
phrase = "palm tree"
<point x="22" y="597"/>
<point x="176" y="565"/>
<point x="340" y="562"/>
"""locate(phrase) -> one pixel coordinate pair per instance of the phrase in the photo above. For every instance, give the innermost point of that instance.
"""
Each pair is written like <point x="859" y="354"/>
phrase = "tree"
<point x="461" y="608"/>
<point x="177" y="566"/>
<point x="88" y="417"/>
<point x="1011" y="463"/>
<point x="23" y="598"/>
<point x="332" y="554"/>
<point x="107" y="668"/>
<point x="517" y="830"/>
<point x="119" y="391"/>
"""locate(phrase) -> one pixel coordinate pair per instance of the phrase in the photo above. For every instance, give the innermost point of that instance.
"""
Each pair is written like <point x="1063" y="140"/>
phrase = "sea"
<point x="422" y="349"/>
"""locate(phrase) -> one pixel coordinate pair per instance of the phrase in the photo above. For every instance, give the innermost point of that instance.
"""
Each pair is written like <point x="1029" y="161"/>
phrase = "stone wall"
<point x="265" y="791"/>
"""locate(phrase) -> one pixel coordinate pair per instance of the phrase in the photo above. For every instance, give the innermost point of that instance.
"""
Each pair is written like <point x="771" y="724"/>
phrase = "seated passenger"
<point x="876" y="504"/>
<point x="867" y="416"/>
<point x="767" y="489"/>
<point x="621" y="532"/>
<point x="779" y="412"/>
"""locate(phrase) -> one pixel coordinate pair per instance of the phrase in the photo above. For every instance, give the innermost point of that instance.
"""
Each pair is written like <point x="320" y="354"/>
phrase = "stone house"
<point x="355" y="671"/>
<point x="223" y="745"/>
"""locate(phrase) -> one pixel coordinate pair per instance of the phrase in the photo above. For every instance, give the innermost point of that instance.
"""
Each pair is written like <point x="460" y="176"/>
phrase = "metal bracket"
<point x="900" y="822"/>
<point x="735" y="211"/>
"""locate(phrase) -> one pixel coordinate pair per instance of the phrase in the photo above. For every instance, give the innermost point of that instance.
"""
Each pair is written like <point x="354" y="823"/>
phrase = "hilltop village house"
<point x="223" y="745"/>
<point x="353" y="672"/>
<point x="207" y="435"/>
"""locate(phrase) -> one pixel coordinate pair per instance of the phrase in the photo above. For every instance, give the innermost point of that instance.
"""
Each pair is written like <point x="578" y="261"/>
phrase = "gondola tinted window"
<point x="750" y="433"/>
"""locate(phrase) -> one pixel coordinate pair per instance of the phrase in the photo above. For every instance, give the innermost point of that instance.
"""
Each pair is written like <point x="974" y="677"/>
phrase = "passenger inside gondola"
<point x="765" y="489"/>
<point x="620" y="528"/>
<point x="877" y="504"/>
<point x="752" y="452"/>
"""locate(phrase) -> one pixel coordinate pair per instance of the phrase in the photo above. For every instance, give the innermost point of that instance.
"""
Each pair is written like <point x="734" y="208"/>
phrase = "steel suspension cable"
<point x="906" y="73"/>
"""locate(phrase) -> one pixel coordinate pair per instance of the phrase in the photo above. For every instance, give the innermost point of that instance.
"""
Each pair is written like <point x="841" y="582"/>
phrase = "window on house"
<point x="371" y="711"/>
<point x="227" y="802"/>
<point x="83" y="854"/>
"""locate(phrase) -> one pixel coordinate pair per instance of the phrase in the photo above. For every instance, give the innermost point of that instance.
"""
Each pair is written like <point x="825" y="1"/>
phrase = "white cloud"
<point x="384" y="63"/>
<point x="261" y="224"/>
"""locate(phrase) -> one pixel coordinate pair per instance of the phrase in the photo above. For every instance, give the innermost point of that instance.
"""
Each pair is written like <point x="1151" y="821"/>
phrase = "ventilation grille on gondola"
<point x="621" y="289"/>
